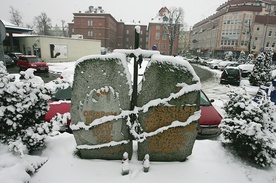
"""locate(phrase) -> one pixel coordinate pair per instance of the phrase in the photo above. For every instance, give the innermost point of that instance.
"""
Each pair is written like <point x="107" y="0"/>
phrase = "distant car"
<point x="246" y="69"/>
<point x="15" y="56"/>
<point x="32" y="61"/>
<point x="224" y="64"/>
<point x="8" y="61"/>
<point x="209" y="119"/>
<point x="214" y="64"/>
<point x="60" y="104"/>
<point x="231" y="75"/>
<point x="233" y="64"/>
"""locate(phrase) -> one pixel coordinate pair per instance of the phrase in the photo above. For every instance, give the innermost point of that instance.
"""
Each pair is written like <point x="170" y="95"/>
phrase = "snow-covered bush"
<point x="242" y="57"/>
<point x="250" y="127"/>
<point x="261" y="74"/>
<point x="250" y="59"/>
<point x="60" y="122"/>
<point x="23" y="105"/>
<point x="229" y="56"/>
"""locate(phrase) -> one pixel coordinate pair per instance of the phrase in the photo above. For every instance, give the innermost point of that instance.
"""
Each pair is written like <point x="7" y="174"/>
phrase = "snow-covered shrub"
<point x="250" y="59"/>
<point x="60" y="122"/>
<point x="23" y="105"/>
<point x="229" y="56"/>
<point x="250" y="128"/>
<point x="261" y="74"/>
<point x="242" y="57"/>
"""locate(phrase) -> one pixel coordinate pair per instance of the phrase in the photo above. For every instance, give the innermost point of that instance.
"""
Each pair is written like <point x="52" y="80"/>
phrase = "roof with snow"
<point x="12" y="28"/>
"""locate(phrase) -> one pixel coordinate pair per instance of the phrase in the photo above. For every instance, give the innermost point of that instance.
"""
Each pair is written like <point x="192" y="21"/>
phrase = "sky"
<point x="127" y="10"/>
<point x="209" y="162"/>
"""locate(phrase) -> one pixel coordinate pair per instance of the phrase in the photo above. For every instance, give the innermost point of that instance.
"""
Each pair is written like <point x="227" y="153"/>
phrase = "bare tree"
<point x="64" y="28"/>
<point x="43" y="24"/>
<point x="16" y="17"/>
<point x="173" y="23"/>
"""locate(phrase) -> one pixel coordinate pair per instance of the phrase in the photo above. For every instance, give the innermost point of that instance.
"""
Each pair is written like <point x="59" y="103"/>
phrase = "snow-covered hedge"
<point x="23" y="105"/>
<point x="250" y="127"/>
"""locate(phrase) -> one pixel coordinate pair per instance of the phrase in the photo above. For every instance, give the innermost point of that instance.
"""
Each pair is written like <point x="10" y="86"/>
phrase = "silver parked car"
<point x="8" y="61"/>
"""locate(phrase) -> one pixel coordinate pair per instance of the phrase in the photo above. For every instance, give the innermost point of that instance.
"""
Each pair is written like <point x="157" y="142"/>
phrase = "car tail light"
<point x="61" y="77"/>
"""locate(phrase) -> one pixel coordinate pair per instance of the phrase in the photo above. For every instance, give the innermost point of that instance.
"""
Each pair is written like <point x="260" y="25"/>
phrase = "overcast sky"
<point x="127" y="10"/>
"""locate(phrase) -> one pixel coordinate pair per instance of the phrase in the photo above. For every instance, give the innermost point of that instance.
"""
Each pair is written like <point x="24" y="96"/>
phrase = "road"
<point x="203" y="74"/>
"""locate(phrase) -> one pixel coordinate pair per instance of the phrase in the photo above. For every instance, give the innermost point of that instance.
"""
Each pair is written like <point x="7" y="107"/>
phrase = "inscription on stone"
<point x="103" y="132"/>
<point x="165" y="115"/>
<point x="100" y="93"/>
<point x="163" y="78"/>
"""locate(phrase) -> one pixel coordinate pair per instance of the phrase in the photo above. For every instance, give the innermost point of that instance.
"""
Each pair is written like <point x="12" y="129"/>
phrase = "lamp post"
<point x="211" y="38"/>
<point x="265" y="32"/>
<point x="135" y="71"/>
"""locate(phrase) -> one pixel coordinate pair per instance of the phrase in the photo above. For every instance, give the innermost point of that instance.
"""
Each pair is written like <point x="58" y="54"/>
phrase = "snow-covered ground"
<point x="210" y="162"/>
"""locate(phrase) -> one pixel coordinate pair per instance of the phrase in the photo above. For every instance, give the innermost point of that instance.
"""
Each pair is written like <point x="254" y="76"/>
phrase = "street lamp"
<point x="211" y="37"/>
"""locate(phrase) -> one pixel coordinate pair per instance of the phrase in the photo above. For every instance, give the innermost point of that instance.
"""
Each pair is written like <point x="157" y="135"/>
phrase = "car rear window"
<point x="232" y="71"/>
<point x="34" y="59"/>
<point x="62" y="94"/>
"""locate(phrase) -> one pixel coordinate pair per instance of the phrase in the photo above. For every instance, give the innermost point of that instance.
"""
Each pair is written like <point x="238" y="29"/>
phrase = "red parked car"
<point x="209" y="119"/>
<point x="31" y="61"/>
<point x="60" y="103"/>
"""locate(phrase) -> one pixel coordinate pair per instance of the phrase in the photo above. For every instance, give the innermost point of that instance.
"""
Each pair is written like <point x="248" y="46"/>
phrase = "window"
<point x="270" y="33"/>
<point x="157" y="27"/>
<point x="256" y="38"/>
<point x="141" y="32"/>
<point x="164" y="37"/>
<point x="90" y="33"/>
<point x="157" y="36"/>
<point x="157" y="45"/>
<point x="273" y="44"/>
<point x="127" y="31"/>
<point x="163" y="46"/>
<point x="90" y="23"/>
<point x="267" y="44"/>
<point x="258" y="28"/>
<point x="73" y="30"/>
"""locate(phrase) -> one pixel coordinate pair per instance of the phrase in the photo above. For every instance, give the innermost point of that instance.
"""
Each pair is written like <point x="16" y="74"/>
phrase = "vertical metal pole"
<point x="135" y="73"/>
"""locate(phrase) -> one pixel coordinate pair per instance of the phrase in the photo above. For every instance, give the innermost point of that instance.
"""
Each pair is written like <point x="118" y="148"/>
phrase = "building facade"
<point x="248" y="25"/>
<point x="98" y="25"/>
<point x="158" y="38"/>
<point x="57" y="49"/>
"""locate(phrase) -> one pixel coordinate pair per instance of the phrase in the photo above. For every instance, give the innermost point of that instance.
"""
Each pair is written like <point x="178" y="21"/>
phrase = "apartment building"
<point x="248" y="25"/>
<point x="98" y="25"/>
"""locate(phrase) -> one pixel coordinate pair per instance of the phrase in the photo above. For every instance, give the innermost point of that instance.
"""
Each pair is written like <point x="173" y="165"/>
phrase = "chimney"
<point x="91" y="8"/>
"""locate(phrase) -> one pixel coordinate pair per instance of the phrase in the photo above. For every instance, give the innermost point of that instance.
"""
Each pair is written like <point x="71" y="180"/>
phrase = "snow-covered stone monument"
<point x="169" y="97"/>
<point x="106" y="109"/>
<point x="101" y="91"/>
